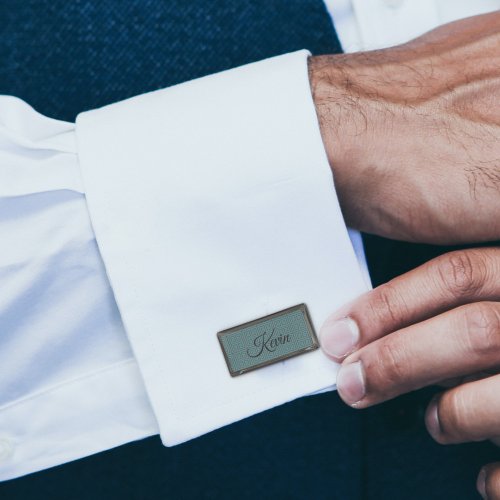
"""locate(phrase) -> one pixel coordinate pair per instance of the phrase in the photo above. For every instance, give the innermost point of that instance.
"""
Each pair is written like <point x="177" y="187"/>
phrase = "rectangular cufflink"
<point x="267" y="340"/>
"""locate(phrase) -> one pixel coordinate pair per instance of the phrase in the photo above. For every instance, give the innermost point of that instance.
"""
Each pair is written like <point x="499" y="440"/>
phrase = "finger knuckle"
<point x="482" y="328"/>
<point x="454" y="415"/>
<point x="392" y="362"/>
<point x="462" y="273"/>
<point x="386" y="303"/>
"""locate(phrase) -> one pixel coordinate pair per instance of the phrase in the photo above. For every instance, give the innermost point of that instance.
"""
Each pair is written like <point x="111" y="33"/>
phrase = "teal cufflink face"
<point x="268" y="340"/>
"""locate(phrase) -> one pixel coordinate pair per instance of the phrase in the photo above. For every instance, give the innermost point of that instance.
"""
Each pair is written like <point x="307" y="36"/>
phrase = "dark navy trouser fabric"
<point x="66" y="56"/>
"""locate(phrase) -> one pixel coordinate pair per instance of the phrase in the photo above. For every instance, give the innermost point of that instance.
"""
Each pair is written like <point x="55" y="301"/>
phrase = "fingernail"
<point x="339" y="338"/>
<point x="481" y="483"/>
<point x="351" y="383"/>
<point x="432" y="419"/>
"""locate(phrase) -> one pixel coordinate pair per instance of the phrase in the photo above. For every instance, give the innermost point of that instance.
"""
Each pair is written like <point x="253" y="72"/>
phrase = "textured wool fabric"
<point x="65" y="57"/>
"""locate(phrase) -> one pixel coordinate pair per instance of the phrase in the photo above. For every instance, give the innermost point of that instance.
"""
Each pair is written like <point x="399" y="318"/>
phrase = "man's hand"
<point x="438" y="324"/>
<point x="412" y="133"/>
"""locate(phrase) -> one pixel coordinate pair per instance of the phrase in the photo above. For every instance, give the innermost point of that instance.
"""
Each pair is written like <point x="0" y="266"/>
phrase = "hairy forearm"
<point x="412" y="132"/>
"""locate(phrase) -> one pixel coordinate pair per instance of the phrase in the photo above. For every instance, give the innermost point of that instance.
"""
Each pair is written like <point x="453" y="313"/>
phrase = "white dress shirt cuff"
<point x="213" y="204"/>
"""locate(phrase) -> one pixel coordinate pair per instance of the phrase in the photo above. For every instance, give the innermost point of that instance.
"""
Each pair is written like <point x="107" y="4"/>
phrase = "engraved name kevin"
<point x="267" y="342"/>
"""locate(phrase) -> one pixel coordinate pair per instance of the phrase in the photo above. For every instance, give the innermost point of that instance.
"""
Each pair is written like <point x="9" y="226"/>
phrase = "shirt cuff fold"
<point x="213" y="204"/>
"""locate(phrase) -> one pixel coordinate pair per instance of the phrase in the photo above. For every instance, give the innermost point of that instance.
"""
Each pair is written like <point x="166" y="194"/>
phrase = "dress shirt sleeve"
<point x="213" y="204"/>
<point x="69" y="383"/>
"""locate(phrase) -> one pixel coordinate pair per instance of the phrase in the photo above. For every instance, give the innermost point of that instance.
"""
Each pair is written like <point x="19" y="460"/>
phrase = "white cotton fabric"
<point x="208" y="216"/>
<point x="70" y="384"/>
<point x="376" y="24"/>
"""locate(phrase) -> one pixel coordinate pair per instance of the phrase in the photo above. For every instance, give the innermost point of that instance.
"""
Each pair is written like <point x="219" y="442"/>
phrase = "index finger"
<point x="453" y="279"/>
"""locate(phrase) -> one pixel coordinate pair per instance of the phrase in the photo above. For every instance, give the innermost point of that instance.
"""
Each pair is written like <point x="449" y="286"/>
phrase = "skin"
<point x="412" y="134"/>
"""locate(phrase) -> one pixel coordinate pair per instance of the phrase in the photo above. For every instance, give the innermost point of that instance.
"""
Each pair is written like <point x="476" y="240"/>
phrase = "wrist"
<point x="330" y="107"/>
<point x="345" y="127"/>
